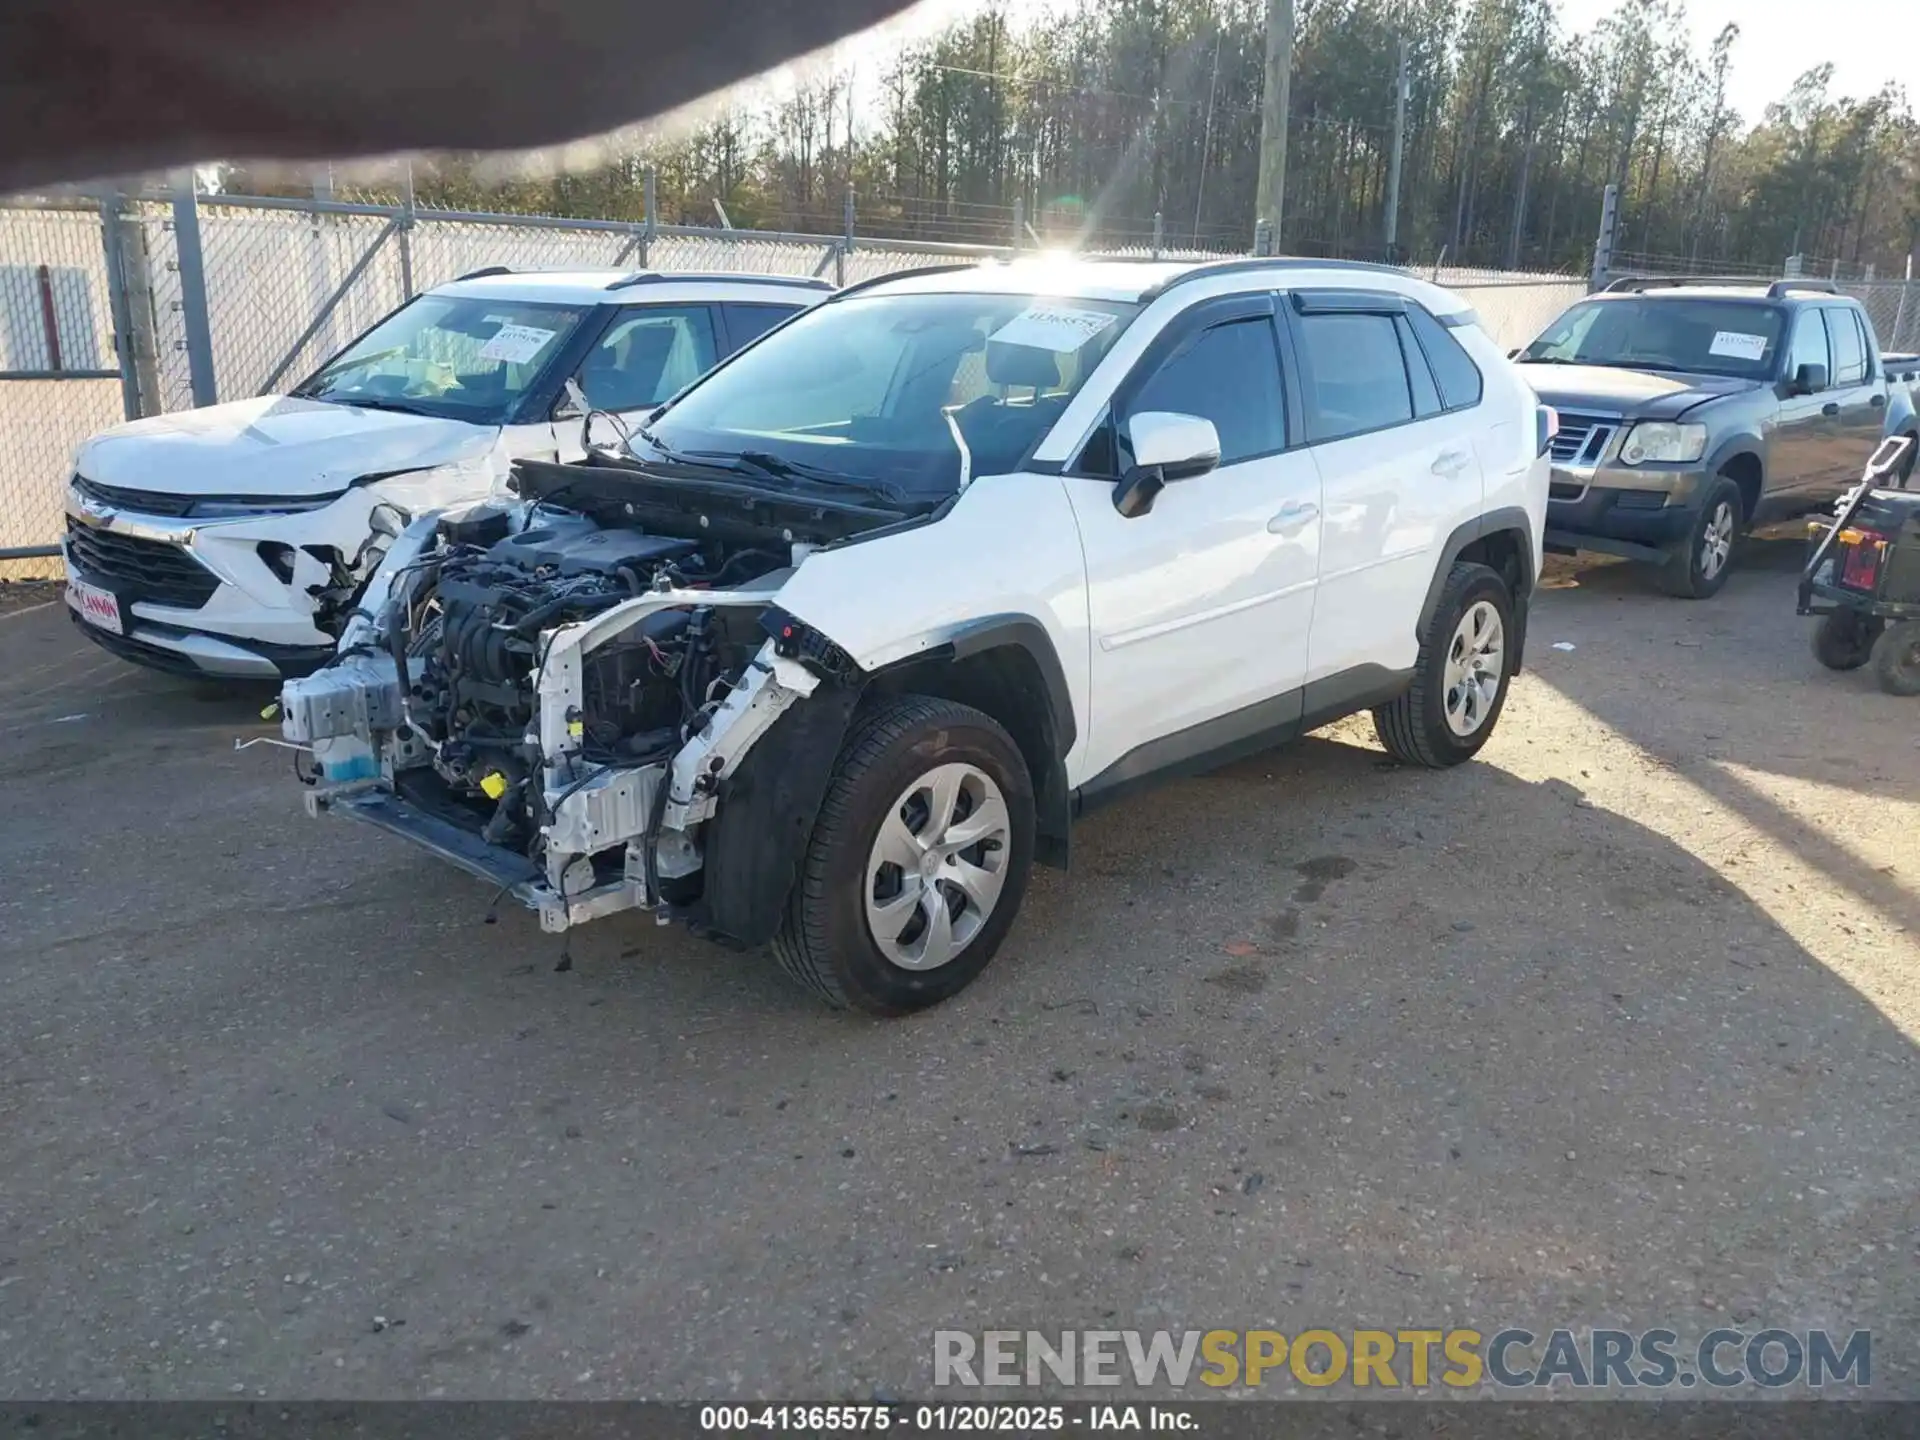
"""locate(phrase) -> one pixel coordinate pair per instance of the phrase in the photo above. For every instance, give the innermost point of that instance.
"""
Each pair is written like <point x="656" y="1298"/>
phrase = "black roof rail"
<point x="1201" y="269"/>
<point x="485" y="271"/>
<point x="662" y="277"/>
<point x="874" y="280"/>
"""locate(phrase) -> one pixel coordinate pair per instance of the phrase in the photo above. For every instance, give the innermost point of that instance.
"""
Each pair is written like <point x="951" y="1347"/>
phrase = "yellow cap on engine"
<point x="493" y="785"/>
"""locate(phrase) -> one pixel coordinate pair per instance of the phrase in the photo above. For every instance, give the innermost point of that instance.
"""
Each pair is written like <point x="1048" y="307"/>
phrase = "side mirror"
<point x="1809" y="380"/>
<point x="573" y="405"/>
<point x="1166" y="448"/>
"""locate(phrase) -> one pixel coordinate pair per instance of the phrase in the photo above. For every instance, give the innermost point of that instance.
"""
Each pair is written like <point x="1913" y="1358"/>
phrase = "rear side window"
<point x="1849" y="351"/>
<point x="1453" y="369"/>
<point x="1356" y="376"/>
<point x="747" y="323"/>
<point x="1231" y="376"/>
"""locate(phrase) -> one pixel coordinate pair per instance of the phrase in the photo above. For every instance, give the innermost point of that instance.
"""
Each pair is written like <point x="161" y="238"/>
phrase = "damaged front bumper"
<point x="611" y="834"/>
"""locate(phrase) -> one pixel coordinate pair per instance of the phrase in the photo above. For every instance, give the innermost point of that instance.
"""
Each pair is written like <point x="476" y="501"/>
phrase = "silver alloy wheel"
<point x="1476" y="661"/>
<point x="937" y="866"/>
<point x="1717" y="543"/>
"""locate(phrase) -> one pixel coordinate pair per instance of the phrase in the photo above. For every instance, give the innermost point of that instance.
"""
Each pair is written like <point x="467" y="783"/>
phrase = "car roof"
<point x="629" y="287"/>
<point x="1137" y="281"/>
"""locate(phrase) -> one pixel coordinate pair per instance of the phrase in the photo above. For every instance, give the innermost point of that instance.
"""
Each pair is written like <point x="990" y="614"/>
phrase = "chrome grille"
<point x="134" y="502"/>
<point x="141" y="569"/>
<point x="1582" y="439"/>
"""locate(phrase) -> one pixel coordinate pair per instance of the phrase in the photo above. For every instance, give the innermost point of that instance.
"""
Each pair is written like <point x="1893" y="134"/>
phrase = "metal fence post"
<point x="1263" y="237"/>
<point x="193" y="289"/>
<point x="650" y="197"/>
<point x="119" y="304"/>
<point x="1019" y="221"/>
<point x="1603" y="242"/>
<point x="1159" y="233"/>
<point x="846" y="243"/>
<point x="406" y="237"/>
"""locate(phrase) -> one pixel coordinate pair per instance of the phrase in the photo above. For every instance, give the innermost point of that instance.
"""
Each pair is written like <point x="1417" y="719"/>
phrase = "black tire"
<point x="1414" y="728"/>
<point x="825" y="941"/>
<point x="1843" y="640"/>
<point x="1896" y="658"/>
<point x="1691" y="573"/>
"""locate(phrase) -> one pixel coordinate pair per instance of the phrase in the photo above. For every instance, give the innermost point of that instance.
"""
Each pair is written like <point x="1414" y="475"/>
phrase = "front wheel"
<point x="1460" y="680"/>
<point x="1699" y="567"/>
<point x="1843" y="640"/>
<point x="918" y="861"/>
<point x="1896" y="658"/>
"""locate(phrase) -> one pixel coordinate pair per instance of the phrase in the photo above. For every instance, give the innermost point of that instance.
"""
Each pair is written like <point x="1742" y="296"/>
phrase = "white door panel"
<point x="1392" y="499"/>
<point x="1203" y="605"/>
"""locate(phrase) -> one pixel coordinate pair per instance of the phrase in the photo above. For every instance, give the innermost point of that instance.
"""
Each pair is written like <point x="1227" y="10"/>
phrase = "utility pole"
<point x="1402" y="87"/>
<point x="1273" y="121"/>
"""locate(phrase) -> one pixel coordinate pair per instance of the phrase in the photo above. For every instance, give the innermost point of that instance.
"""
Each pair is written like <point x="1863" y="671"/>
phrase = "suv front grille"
<point x="141" y="569"/>
<point x="134" y="502"/>
<point x="1582" y="439"/>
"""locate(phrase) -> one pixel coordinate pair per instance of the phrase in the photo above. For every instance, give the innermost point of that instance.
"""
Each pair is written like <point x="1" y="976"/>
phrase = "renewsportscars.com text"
<point x="1512" y="1358"/>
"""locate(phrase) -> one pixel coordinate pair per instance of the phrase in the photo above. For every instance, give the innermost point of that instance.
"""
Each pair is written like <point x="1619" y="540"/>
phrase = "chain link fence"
<point x="223" y="298"/>
<point x="59" y="379"/>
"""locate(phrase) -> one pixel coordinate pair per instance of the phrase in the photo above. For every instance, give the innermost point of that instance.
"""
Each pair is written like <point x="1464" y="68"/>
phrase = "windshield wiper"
<point x="780" y="468"/>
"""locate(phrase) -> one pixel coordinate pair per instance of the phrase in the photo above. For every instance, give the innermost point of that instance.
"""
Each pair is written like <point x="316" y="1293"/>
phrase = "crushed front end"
<point x="555" y="695"/>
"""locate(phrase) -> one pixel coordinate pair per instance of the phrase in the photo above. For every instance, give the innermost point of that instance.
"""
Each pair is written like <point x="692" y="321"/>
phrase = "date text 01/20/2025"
<point x="944" y="1419"/>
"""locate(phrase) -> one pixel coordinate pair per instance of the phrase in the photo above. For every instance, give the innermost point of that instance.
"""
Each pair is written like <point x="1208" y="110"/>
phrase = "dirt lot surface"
<point x="1614" y="1027"/>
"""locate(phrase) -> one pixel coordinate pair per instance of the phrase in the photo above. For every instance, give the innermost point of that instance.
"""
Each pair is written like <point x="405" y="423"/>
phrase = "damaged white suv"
<point x="845" y="636"/>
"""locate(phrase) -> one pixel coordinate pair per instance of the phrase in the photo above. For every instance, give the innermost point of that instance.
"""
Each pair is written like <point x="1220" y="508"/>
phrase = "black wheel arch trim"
<point x="1494" y="522"/>
<point x="1736" y="447"/>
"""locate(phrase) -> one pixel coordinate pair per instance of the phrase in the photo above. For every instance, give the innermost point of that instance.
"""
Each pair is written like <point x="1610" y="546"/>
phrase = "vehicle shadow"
<point x="1727" y="693"/>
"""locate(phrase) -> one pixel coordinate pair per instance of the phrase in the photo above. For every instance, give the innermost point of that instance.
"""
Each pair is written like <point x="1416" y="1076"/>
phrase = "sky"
<point x="1868" y="42"/>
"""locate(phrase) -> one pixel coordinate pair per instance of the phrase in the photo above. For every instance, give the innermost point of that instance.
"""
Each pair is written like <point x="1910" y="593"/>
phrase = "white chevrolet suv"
<point x="231" y="541"/>
<point x="845" y="637"/>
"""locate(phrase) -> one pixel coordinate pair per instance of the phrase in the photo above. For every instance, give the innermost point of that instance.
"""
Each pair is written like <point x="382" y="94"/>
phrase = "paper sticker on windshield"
<point x="1737" y="346"/>
<point x="515" y="344"/>
<point x="1051" y="327"/>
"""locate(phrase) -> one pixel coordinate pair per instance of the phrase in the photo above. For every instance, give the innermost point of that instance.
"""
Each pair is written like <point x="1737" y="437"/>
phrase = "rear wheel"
<point x="1460" y="680"/>
<point x="1896" y="658"/>
<point x="1843" y="640"/>
<point x="1699" y="567"/>
<point x="918" y="861"/>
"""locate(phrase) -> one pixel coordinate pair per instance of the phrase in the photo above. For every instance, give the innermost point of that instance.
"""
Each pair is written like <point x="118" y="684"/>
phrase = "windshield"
<point x="459" y="358"/>
<point x="874" y="388"/>
<point x="1706" y="337"/>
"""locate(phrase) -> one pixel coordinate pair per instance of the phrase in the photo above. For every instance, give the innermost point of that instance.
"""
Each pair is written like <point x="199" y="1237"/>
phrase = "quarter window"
<point x="1453" y="369"/>
<point x="1356" y="376"/>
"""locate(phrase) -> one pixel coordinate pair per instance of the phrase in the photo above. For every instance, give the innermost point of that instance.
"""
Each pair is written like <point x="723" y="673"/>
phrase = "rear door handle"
<point x="1450" y="463"/>
<point x="1292" y="516"/>
<point x="1878" y="401"/>
<point x="1829" y="409"/>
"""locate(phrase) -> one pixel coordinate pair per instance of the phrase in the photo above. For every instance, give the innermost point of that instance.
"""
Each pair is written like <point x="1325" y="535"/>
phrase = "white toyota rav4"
<point x="843" y="638"/>
<point x="232" y="541"/>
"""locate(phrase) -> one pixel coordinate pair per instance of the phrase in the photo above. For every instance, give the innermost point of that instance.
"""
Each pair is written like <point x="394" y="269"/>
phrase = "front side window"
<point x="1809" y="344"/>
<point x="648" y="355"/>
<point x="1849" y="352"/>
<point x="460" y="358"/>
<point x="875" y="387"/>
<point x="1737" y="338"/>
<point x="1230" y="375"/>
<point x="1356" y="375"/>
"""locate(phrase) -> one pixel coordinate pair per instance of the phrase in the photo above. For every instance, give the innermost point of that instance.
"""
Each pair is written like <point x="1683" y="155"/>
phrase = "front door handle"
<point x="1829" y="409"/>
<point x="1878" y="402"/>
<point x="1450" y="463"/>
<point x="1293" y="516"/>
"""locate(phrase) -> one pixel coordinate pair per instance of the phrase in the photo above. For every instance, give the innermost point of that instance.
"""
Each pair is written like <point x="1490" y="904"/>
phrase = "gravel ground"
<point x="1614" y="1027"/>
